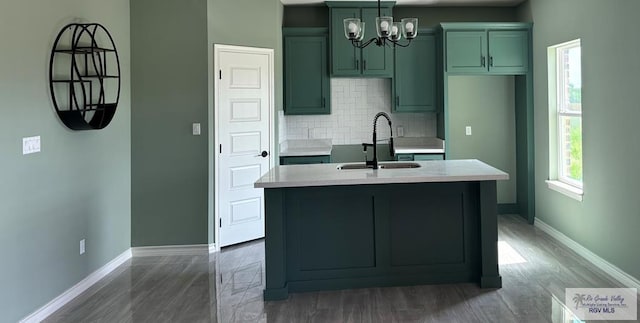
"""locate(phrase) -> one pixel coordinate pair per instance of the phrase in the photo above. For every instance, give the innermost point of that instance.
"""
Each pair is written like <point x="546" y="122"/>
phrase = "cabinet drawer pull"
<point x="357" y="64"/>
<point x="364" y="64"/>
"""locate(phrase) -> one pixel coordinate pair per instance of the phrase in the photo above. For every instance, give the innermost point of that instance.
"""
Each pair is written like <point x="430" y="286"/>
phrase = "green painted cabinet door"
<point x="345" y="59"/>
<point x="415" y="75"/>
<point x="508" y="51"/>
<point x="306" y="75"/>
<point x="303" y="160"/>
<point x="466" y="51"/>
<point x="418" y="157"/>
<point x="376" y="60"/>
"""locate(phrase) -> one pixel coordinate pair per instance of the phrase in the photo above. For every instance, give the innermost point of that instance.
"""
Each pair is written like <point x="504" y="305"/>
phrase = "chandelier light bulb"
<point x="384" y="25"/>
<point x="353" y="28"/>
<point x="409" y="27"/>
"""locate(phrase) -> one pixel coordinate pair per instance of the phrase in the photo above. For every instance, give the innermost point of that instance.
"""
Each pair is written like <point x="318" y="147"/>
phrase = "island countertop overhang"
<point x="429" y="171"/>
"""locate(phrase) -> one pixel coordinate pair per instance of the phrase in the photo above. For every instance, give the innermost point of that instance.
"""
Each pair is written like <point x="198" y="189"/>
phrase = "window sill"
<point x="566" y="189"/>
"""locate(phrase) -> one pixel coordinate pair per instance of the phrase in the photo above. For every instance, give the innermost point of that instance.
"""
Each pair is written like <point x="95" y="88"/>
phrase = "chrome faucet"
<point x="374" y="162"/>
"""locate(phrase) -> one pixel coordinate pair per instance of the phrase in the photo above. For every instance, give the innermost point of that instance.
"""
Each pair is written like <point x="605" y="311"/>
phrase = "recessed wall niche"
<point x="84" y="76"/>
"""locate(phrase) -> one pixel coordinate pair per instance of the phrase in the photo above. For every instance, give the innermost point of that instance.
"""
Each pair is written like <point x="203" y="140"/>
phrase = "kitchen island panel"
<point x="330" y="236"/>
<point x="427" y="226"/>
<point x="337" y="237"/>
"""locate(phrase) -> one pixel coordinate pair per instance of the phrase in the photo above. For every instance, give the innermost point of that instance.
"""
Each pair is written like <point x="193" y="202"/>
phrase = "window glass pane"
<point x="570" y="80"/>
<point x="570" y="142"/>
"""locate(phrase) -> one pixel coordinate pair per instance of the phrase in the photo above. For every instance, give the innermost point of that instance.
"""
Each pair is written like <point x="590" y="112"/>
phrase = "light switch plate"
<point x="467" y="130"/>
<point x="30" y="145"/>
<point x="82" y="246"/>
<point x="196" y="129"/>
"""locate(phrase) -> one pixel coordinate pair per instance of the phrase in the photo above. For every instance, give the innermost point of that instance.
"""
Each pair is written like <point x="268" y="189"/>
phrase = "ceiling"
<point x="428" y="3"/>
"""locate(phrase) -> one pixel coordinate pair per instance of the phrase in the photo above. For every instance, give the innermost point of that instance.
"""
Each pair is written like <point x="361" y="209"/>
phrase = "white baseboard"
<point x="71" y="293"/>
<point x="174" y="250"/>
<point x="213" y="248"/>
<point x="609" y="268"/>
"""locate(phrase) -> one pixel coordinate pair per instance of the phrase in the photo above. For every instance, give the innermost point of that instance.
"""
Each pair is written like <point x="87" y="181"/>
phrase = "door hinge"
<point x="220" y="222"/>
<point x="221" y="148"/>
<point x="220" y="74"/>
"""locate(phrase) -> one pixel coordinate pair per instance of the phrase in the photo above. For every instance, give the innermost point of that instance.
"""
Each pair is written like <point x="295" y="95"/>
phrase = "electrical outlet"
<point x="196" y="129"/>
<point x="467" y="130"/>
<point x="400" y="131"/>
<point x="82" y="246"/>
<point x="30" y="145"/>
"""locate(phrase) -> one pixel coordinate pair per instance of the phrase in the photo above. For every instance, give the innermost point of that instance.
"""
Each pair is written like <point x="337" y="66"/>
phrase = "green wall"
<point x="318" y="16"/>
<point x="487" y="104"/>
<point x="306" y="16"/>
<point x="608" y="219"/>
<point x="169" y="93"/>
<point x="172" y="86"/>
<point x="433" y="16"/>
<point x="78" y="186"/>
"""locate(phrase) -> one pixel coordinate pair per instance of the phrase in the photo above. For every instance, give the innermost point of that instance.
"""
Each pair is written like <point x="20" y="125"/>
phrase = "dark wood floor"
<point x="227" y="287"/>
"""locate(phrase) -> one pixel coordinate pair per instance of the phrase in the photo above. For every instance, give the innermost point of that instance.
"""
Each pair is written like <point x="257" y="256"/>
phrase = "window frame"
<point x="559" y="181"/>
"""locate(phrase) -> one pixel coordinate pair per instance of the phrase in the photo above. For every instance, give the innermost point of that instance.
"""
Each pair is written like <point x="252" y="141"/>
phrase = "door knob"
<point x="263" y="154"/>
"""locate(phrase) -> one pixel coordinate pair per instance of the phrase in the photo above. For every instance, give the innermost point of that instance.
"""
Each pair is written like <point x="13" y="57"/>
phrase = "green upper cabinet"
<point x="481" y="48"/>
<point x="414" y="81"/>
<point x="509" y="51"/>
<point x="306" y="78"/>
<point x="376" y="61"/>
<point x="466" y="51"/>
<point x="347" y="60"/>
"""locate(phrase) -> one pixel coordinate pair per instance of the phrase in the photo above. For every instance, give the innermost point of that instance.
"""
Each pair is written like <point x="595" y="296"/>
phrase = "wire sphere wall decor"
<point x="84" y="76"/>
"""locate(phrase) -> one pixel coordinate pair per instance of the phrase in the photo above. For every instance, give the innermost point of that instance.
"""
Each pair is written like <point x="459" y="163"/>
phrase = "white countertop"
<point x="330" y="175"/>
<point x="305" y="147"/>
<point x="418" y="145"/>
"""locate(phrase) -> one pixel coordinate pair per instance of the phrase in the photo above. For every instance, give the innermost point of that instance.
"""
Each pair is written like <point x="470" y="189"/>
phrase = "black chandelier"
<point x="389" y="32"/>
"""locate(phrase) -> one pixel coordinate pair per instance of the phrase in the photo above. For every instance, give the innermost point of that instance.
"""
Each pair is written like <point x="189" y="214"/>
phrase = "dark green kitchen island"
<point x="335" y="229"/>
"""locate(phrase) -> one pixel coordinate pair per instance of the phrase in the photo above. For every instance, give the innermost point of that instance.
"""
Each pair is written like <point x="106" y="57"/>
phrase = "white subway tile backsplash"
<point x="354" y="103"/>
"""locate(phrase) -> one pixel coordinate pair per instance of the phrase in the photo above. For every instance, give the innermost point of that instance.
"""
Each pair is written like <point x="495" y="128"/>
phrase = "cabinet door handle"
<point x="490" y="60"/>
<point x="364" y="64"/>
<point x="482" y="61"/>
<point x="397" y="100"/>
<point x="323" y="102"/>
<point x="357" y="64"/>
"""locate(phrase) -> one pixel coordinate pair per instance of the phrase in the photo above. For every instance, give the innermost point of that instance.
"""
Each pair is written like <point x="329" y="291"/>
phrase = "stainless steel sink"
<point x="353" y="166"/>
<point x="380" y="166"/>
<point x="398" y="165"/>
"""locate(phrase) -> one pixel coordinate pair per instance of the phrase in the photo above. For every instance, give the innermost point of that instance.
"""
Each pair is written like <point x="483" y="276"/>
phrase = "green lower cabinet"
<point x="419" y="157"/>
<point x="306" y="73"/>
<point x="300" y="160"/>
<point x="414" y="82"/>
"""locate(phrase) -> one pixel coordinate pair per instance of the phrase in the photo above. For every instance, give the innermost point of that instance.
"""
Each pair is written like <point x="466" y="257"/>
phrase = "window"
<point x="565" y="118"/>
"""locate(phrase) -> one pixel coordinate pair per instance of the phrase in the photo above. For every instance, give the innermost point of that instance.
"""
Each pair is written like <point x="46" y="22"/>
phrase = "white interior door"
<point x="244" y="97"/>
